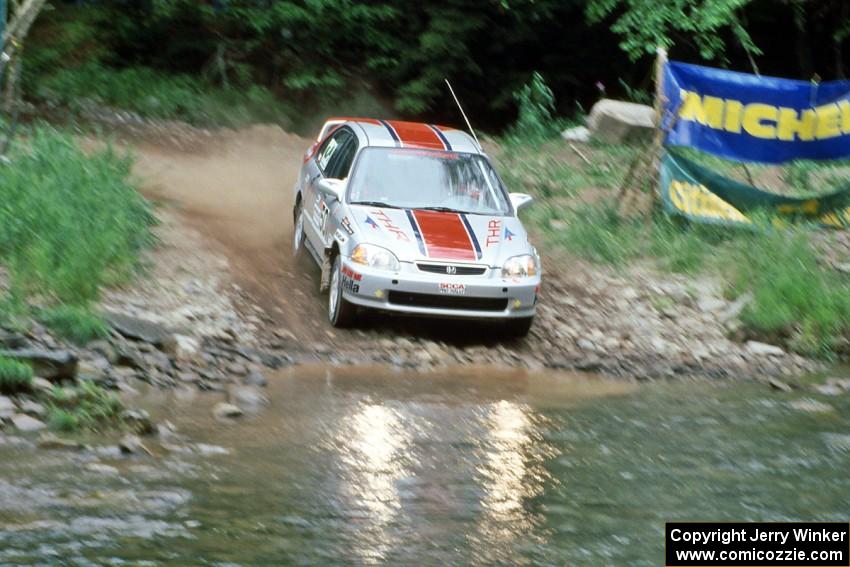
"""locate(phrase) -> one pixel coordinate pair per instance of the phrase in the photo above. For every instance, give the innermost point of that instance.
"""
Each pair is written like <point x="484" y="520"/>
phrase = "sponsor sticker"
<point x="494" y="232"/>
<point x="389" y="225"/>
<point x="346" y="224"/>
<point x="350" y="279"/>
<point x="452" y="288"/>
<point x="349" y="273"/>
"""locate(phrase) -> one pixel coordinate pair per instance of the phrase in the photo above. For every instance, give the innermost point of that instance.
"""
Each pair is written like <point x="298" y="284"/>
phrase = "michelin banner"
<point x="750" y="118"/>
<point x="698" y="194"/>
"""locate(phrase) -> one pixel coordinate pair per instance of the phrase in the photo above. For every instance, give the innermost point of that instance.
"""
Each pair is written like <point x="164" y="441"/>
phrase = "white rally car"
<point x="412" y="218"/>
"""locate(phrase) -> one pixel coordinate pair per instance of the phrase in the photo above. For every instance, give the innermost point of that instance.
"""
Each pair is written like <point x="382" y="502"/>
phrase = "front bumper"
<point x="410" y="290"/>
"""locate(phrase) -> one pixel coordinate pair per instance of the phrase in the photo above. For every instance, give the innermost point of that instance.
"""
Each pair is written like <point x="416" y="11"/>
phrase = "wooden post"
<point x="660" y="133"/>
<point x="638" y="172"/>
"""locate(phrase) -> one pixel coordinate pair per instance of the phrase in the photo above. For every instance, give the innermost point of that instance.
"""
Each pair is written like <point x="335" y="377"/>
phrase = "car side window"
<point x="331" y="147"/>
<point x="340" y="163"/>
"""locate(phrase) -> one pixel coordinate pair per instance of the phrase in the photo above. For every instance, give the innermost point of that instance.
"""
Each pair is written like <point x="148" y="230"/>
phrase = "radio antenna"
<point x="462" y="113"/>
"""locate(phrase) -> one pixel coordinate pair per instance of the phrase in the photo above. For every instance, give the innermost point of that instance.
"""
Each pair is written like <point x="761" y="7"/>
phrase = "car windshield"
<point x="422" y="179"/>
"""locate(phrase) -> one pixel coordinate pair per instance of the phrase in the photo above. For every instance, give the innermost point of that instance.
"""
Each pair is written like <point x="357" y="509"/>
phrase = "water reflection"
<point x="512" y="472"/>
<point x="373" y="444"/>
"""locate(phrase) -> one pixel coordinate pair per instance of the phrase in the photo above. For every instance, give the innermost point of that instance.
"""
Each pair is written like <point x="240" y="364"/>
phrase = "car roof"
<point x="400" y="134"/>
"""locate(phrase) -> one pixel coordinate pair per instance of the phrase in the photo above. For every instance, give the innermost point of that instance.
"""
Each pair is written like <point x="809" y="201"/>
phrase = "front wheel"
<point x="341" y="313"/>
<point x="518" y="328"/>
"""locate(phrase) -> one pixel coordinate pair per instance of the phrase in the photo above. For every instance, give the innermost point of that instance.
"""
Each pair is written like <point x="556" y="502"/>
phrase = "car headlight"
<point x="374" y="257"/>
<point x="522" y="266"/>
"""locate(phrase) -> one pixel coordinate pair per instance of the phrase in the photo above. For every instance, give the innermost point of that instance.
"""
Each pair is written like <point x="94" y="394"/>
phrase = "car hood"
<point x="414" y="234"/>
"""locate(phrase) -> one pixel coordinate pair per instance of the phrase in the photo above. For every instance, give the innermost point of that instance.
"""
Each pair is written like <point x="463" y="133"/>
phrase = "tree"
<point x="16" y="26"/>
<point x="644" y="25"/>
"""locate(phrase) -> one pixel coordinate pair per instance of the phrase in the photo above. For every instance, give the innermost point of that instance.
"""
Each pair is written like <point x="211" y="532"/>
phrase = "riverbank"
<point x="220" y="302"/>
<point x="633" y="322"/>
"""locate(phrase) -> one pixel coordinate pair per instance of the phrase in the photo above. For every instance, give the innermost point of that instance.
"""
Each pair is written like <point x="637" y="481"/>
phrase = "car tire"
<point x="341" y="313"/>
<point x="518" y="328"/>
<point x="298" y="235"/>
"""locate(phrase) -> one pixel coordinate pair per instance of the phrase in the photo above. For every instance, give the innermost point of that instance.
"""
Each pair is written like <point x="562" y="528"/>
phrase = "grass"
<point x="599" y="234"/>
<point x="796" y="299"/>
<point x="14" y="376"/>
<point x="86" y="407"/>
<point x="70" y="223"/>
<point x="73" y="322"/>
<point x="62" y="420"/>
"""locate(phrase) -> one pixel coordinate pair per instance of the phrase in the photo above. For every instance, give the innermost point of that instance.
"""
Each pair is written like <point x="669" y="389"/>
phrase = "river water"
<point x="478" y="466"/>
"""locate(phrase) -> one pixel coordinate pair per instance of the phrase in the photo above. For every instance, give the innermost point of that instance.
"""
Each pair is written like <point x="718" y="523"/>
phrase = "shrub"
<point x="69" y="222"/>
<point x="535" y="118"/>
<point x="14" y="376"/>
<point x="75" y="323"/>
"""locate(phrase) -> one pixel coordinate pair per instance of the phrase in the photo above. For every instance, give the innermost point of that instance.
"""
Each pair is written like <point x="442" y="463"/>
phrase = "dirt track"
<point x="236" y="188"/>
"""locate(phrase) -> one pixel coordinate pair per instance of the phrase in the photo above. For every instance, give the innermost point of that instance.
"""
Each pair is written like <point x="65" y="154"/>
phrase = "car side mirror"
<point x="520" y="200"/>
<point x="331" y="188"/>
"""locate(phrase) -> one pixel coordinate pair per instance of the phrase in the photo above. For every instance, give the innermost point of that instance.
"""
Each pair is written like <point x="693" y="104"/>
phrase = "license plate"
<point x="452" y="288"/>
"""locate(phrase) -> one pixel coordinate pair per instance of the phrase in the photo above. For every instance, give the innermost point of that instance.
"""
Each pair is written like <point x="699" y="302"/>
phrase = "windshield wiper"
<point x="376" y="204"/>
<point x="442" y="210"/>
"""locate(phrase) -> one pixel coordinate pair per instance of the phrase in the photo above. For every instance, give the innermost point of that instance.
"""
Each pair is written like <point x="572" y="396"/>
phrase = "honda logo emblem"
<point x="451" y="270"/>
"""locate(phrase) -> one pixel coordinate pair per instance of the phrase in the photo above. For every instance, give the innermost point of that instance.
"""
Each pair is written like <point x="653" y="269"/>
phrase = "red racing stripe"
<point x="445" y="235"/>
<point x="352" y="119"/>
<point x="415" y="135"/>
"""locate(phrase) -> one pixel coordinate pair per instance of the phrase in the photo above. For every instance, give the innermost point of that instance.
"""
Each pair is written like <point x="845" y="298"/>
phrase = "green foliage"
<point x="552" y="172"/>
<point x="636" y="95"/>
<point x="14" y="376"/>
<point x="87" y="406"/>
<point x="536" y="103"/>
<point x="644" y="25"/>
<point x="315" y="55"/>
<point x="74" y="322"/>
<point x="69" y="222"/>
<point x="155" y="94"/>
<point x="62" y="420"/>
<point x="599" y="234"/>
<point x="682" y="247"/>
<point x="63" y="396"/>
<point x="795" y="298"/>
<point x="806" y="177"/>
